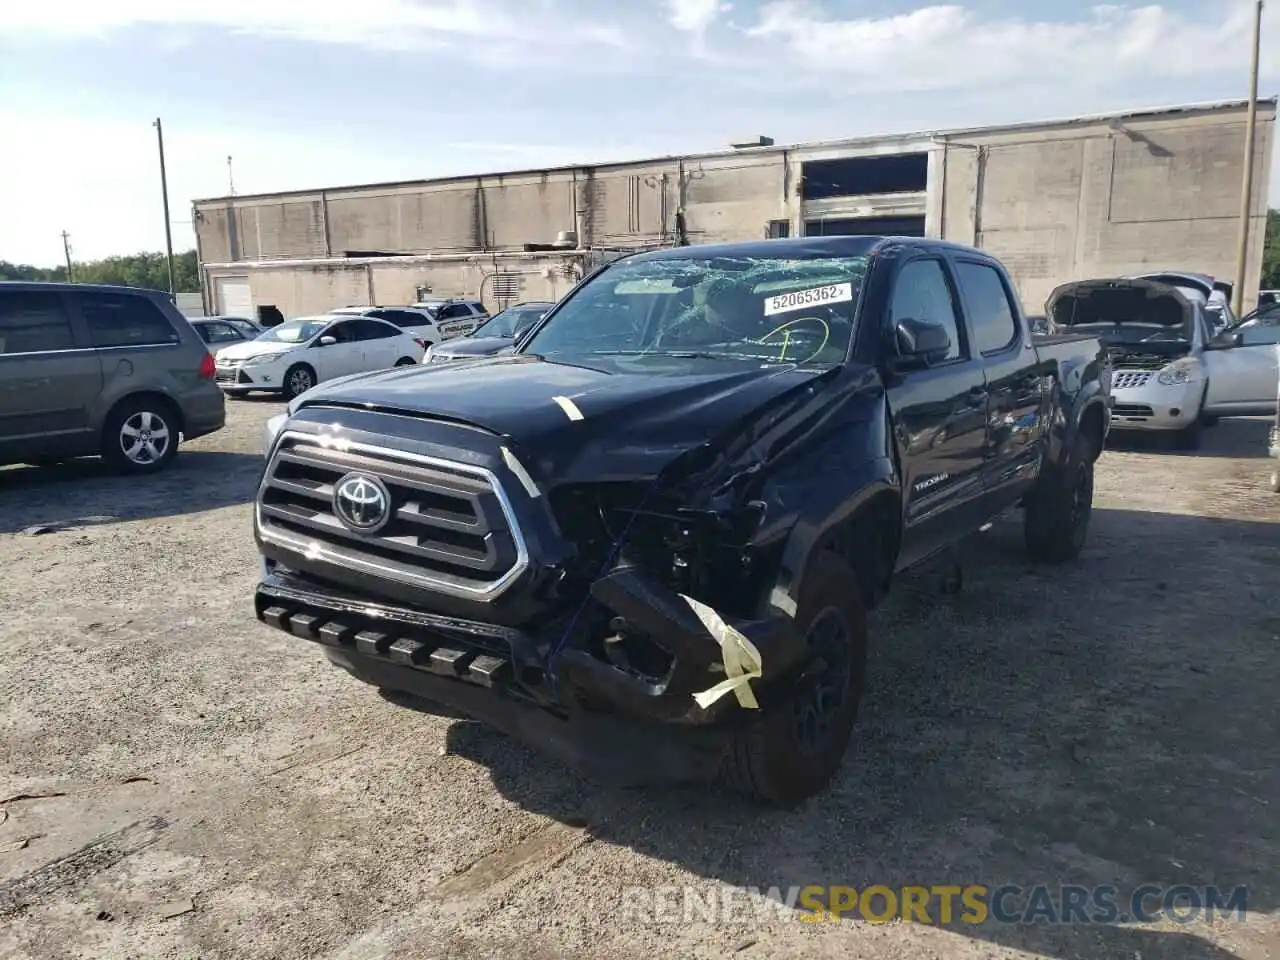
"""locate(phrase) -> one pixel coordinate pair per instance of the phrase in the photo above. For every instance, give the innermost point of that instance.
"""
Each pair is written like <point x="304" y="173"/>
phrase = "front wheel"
<point x="298" y="379"/>
<point x="140" y="436"/>
<point x="1059" y="507"/>
<point x="793" y="751"/>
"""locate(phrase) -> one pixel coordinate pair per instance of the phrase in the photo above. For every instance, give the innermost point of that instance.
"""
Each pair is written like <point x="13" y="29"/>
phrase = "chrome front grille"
<point x="1128" y="379"/>
<point x="449" y="528"/>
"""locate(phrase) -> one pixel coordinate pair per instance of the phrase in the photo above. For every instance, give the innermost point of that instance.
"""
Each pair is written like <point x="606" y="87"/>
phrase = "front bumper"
<point x="1154" y="406"/>
<point x="258" y="376"/>
<point x="606" y="722"/>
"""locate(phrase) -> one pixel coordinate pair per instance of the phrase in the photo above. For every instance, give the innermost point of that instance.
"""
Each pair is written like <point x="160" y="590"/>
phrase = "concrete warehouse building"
<point x="1055" y="200"/>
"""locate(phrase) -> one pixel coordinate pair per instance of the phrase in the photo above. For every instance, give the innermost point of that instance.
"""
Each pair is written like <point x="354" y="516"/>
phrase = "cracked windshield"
<point x="746" y="310"/>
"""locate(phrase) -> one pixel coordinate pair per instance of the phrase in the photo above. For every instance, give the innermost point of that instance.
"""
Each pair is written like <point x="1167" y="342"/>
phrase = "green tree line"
<point x="149" y="270"/>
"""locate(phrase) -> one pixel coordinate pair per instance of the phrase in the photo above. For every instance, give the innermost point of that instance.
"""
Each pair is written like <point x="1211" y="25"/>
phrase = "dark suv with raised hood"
<point x="647" y="540"/>
<point x="101" y="370"/>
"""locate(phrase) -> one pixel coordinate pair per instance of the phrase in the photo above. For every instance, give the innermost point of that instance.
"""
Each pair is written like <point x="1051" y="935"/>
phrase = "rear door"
<point x="50" y="378"/>
<point x="1017" y="410"/>
<point x="379" y="343"/>
<point x="940" y="413"/>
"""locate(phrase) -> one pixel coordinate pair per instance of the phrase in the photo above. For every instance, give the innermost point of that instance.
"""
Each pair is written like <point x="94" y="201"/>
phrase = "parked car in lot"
<point x="293" y="357"/>
<point x="221" y="331"/>
<point x="495" y="336"/>
<point x="1171" y="373"/>
<point x="432" y="324"/>
<point x="455" y="316"/>
<point x="647" y="540"/>
<point x="88" y="370"/>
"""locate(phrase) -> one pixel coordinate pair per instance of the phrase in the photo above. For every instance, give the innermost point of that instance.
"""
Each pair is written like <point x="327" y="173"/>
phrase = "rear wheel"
<point x="406" y="362"/>
<point x="792" y="752"/>
<point x="140" y="436"/>
<point x="1058" y="509"/>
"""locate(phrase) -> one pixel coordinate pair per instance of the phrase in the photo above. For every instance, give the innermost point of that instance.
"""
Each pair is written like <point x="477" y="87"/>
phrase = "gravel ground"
<point x="177" y="780"/>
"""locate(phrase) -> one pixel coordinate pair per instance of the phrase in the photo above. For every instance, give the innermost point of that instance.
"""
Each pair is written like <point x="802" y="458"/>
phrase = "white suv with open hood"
<point x="1157" y="338"/>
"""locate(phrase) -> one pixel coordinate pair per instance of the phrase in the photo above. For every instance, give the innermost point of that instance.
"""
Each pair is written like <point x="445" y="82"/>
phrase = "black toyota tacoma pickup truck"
<point x="647" y="541"/>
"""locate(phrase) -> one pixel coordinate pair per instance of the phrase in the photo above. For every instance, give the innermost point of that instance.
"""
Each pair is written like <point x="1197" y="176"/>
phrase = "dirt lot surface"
<point x="180" y="781"/>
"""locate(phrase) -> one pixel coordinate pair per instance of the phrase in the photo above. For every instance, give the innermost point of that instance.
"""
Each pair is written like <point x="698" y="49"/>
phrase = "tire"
<point x="1056" y="522"/>
<point x="406" y="362"/>
<point x="792" y="751"/>
<point x="298" y="379"/>
<point x="140" y="436"/>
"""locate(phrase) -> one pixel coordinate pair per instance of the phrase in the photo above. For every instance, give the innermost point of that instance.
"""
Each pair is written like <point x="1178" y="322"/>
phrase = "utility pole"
<point x="66" y="251"/>
<point x="1246" y="190"/>
<point x="164" y="194"/>
<point x="231" y="180"/>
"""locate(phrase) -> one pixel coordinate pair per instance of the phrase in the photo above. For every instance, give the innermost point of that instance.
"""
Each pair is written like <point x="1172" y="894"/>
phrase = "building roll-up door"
<point x="234" y="297"/>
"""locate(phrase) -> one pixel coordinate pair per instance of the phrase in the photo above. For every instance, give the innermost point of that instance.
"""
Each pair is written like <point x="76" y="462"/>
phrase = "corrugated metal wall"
<point x="1055" y="202"/>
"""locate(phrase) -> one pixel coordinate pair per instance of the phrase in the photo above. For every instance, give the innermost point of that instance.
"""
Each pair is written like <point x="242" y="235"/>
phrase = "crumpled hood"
<point x="572" y="423"/>
<point x="254" y="348"/>
<point x="473" y="347"/>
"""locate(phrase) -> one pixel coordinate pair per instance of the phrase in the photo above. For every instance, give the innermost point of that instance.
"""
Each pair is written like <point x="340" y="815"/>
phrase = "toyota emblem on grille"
<point x="362" y="502"/>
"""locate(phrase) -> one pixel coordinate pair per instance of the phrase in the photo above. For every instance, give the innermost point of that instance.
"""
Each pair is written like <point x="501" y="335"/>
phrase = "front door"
<point x="1021" y="397"/>
<point x="49" y="378"/>
<point x="941" y="416"/>
<point x="339" y="358"/>
<point x="1244" y="378"/>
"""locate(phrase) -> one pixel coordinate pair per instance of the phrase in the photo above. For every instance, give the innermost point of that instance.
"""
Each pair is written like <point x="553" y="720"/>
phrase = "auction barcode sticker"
<point x="813" y="297"/>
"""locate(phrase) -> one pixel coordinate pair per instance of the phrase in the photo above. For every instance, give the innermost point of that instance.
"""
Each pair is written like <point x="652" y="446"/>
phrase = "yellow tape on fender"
<point x="742" y="662"/>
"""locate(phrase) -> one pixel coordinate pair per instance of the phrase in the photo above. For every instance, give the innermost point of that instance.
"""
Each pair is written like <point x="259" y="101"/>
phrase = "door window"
<point x="454" y="311"/>
<point x="125" y="320"/>
<point x="1260" y="332"/>
<point x="922" y="292"/>
<point x="219" y="333"/>
<point x="342" y="332"/>
<point x="991" y="309"/>
<point x="366" y="329"/>
<point x="33" y="321"/>
<point x="401" y="318"/>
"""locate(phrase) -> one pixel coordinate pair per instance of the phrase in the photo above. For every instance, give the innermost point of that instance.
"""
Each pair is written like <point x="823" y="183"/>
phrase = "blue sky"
<point x="306" y="93"/>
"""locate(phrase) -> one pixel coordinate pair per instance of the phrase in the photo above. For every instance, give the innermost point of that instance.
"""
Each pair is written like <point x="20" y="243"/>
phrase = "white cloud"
<point x="694" y="16"/>
<point x="379" y="24"/>
<point x="948" y="46"/>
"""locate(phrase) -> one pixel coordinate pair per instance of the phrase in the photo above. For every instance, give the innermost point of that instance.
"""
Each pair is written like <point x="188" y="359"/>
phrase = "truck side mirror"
<point x="922" y="340"/>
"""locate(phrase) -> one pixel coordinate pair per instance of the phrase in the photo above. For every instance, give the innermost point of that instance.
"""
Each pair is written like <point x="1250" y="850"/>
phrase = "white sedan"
<point x="293" y="357"/>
